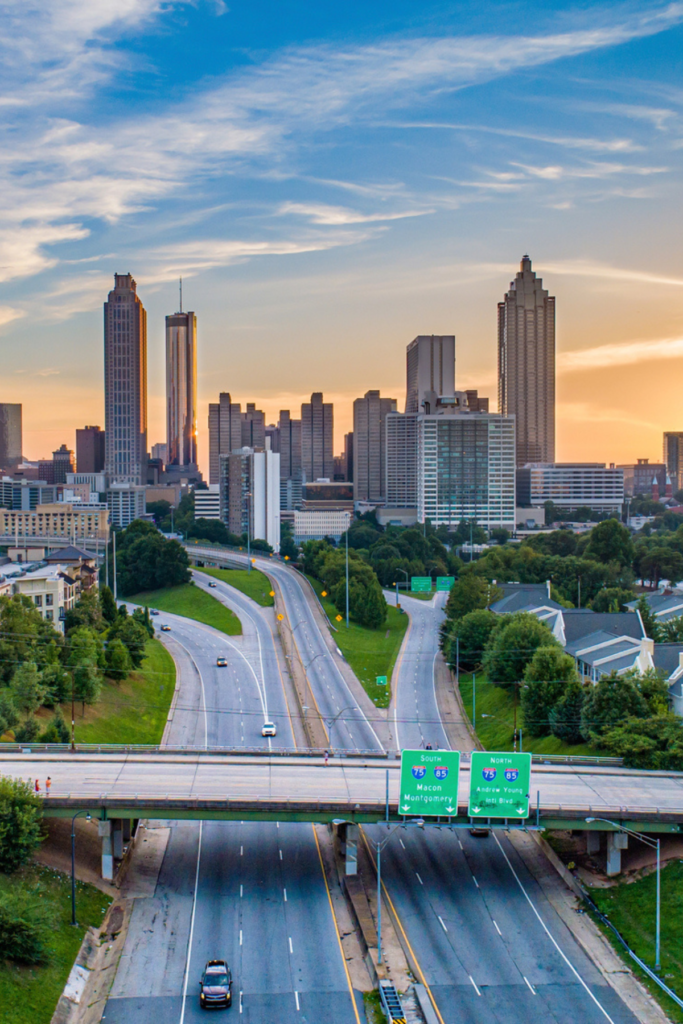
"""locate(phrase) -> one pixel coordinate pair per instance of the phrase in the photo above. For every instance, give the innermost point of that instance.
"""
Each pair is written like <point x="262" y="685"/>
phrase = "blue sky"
<point x="330" y="181"/>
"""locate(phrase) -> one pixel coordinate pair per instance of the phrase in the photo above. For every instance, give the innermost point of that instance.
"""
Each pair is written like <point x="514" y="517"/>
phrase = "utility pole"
<point x="73" y="711"/>
<point x="347" y="577"/>
<point x="114" y="559"/>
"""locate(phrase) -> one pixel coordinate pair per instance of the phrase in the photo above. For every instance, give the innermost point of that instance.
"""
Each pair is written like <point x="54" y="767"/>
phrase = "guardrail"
<point x="150" y="748"/>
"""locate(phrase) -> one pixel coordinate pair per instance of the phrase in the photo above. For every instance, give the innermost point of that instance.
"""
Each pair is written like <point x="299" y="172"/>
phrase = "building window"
<point x="48" y="615"/>
<point x="38" y="600"/>
<point x="49" y="600"/>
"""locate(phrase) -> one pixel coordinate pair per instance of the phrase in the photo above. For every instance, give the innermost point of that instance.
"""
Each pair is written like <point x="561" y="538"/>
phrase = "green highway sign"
<point x="499" y="785"/>
<point x="421" y="584"/>
<point x="444" y="582"/>
<point x="429" y="782"/>
<point x="381" y="680"/>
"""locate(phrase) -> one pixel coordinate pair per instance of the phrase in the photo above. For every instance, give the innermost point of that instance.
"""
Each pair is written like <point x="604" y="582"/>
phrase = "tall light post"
<point x="379" y="846"/>
<point x="347" y="577"/>
<point x="73" y="863"/>
<point x="655" y="845"/>
<point x="248" y="496"/>
<point x="407" y="578"/>
<point x="332" y="721"/>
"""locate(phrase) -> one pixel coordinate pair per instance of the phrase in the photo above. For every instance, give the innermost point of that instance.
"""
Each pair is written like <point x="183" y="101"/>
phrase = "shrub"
<point x="512" y="647"/>
<point x="565" y="717"/>
<point x="20" y="823"/>
<point x="25" y="920"/>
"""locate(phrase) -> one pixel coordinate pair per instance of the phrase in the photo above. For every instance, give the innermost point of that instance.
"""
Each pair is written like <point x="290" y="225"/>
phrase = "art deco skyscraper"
<point x="125" y="383"/>
<point x="181" y="389"/>
<point x="526" y="365"/>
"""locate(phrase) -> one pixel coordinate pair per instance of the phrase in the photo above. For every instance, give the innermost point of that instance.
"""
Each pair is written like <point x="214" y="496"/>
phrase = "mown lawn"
<point x="31" y="993"/>
<point x="193" y="603"/>
<point x="631" y="908"/>
<point x="254" y="584"/>
<point x="369" y="652"/>
<point x="133" y="711"/>
<point x="495" y="716"/>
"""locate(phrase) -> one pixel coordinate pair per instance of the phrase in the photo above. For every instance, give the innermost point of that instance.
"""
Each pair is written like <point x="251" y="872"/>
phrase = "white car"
<point x="269" y="729"/>
<point x="212" y="584"/>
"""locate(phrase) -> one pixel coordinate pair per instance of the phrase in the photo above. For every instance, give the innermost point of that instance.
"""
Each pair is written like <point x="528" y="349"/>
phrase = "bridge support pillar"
<point x="351" y="858"/>
<point x="104" y="829"/>
<point x="616" y="842"/>
<point x="126" y="829"/>
<point x="592" y="842"/>
<point x="117" y="838"/>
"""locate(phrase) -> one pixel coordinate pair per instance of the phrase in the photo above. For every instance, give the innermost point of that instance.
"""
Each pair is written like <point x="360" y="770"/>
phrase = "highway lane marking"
<point x="401" y="842"/>
<point x="546" y="930"/>
<point x="285" y="892"/>
<point x="475" y="881"/>
<point x="240" y="1002"/>
<point x="442" y="924"/>
<point x="498" y="929"/>
<point x="529" y="984"/>
<point x="475" y="985"/>
<point x="280" y="852"/>
<point x="241" y="851"/>
<point x="194" y="908"/>
<point x="240" y="936"/>
<point x="336" y="928"/>
<point x="418" y="877"/>
<point x="291" y="948"/>
<point x="241" y="891"/>
<point x="460" y="845"/>
<point x="296" y="997"/>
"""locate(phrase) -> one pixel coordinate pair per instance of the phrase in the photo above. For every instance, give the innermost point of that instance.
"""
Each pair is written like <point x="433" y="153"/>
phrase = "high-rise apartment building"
<point x="369" y="446"/>
<point x="401" y="460"/>
<point x="317" y="424"/>
<point x="250" y="494"/>
<point x="289" y="433"/>
<point x="90" y="450"/>
<point x="673" y="456"/>
<point x="430" y="369"/>
<point x="253" y="427"/>
<point x="526" y="365"/>
<point x="348" y="456"/>
<point x="63" y="463"/>
<point x="10" y="436"/>
<point x="181" y="389"/>
<point x="225" y="432"/>
<point x="125" y="383"/>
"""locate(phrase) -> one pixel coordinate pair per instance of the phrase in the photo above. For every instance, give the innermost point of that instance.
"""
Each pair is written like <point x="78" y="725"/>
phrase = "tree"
<point x="56" y="730"/>
<point x="20" y="824"/>
<point x="513" y="646"/>
<point x="9" y="716"/>
<point x="500" y="535"/>
<point x="27" y="689"/>
<point x="472" y="632"/>
<point x="26" y="920"/>
<point x="28" y="731"/>
<point x="85" y="645"/>
<point x="670" y="632"/>
<point x="547" y="676"/>
<point x="24" y="636"/>
<point x="57" y="685"/>
<point x="647" y="743"/>
<point x="612" y="599"/>
<point x="147" y="561"/>
<point x="565" y="717"/>
<point x="612" y="700"/>
<point x="610" y="541"/>
<point x="159" y="510"/>
<point x="141" y="616"/>
<point x="107" y="604"/>
<point x="133" y="635"/>
<point x="86" y="612"/>
<point x="87" y="683"/>
<point x="367" y="605"/>
<point x="118" y="661"/>
<point x="649" y="621"/>
<point x="469" y="593"/>
<point x="661" y="562"/>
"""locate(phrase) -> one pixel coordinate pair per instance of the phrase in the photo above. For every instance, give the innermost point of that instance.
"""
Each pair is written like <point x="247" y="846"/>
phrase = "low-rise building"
<point x="207" y="502"/>
<point x="571" y="485"/>
<point x="318" y="525"/>
<point x="52" y="590"/>
<point x="640" y="476"/>
<point x="26" y="494"/>
<point x="126" y="502"/>
<point x="73" y="522"/>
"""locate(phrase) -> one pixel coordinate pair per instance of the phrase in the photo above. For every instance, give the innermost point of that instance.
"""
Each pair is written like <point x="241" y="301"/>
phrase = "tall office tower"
<point x="401" y="460"/>
<point x="250" y="494"/>
<point x="160" y="452"/>
<point x="63" y="463"/>
<point x="290" y="461"/>
<point x="225" y="432"/>
<point x="125" y="384"/>
<point x="273" y="437"/>
<point x="526" y="364"/>
<point x="10" y="436"/>
<point x="181" y="389"/>
<point x="369" y="446"/>
<point x="90" y="450"/>
<point x="253" y="427"/>
<point x="317" y="423"/>
<point x="430" y="369"/>
<point x="673" y="456"/>
<point x="348" y="456"/>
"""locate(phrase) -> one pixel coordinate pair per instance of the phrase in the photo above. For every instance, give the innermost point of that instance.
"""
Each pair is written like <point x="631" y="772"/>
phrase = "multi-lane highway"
<point x="415" y="712"/>
<point x="251" y="893"/>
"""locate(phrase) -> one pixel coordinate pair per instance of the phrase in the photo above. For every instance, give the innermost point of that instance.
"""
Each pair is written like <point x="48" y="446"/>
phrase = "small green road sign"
<point x="421" y="584"/>
<point x="381" y="680"/>
<point x="444" y="582"/>
<point x="429" y="782"/>
<point x="499" y="785"/>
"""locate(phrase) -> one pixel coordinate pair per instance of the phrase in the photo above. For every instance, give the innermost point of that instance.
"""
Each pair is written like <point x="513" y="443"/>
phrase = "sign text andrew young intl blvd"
<point x="429" y="782"/>
<point x="499" y="785"/>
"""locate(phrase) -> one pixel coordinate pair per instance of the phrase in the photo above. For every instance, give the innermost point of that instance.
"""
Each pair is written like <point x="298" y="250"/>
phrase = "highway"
<point x="414" y="709"/>
<point x="253" y="893"/>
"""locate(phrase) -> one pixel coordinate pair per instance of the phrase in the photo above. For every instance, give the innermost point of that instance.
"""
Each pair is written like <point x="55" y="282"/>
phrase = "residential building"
<point x="663" y="605"/>
<point x="401" y="460"/>
<point x="318" y="525"/>
<point x="79" y="564"/>
<point x="642" y="476"/>
<point x="160" y="452"/>
<point x="225" y="432"/>
<point x="465" y="466"/>
<point x="249" y="494"/>
<point x="97" y="482"/>
<point x="673" y="456"/>
<point x="54" y="522"/>
<point x="253" y="429"/>
<point x="430" y="370"/>
<point x="207" y="502"/>
<point x="10" y="436"/>
<point x="181" y="390"/>
<point x="290" y="461"/>
<point x="571" y="485"/>
<point x="317" y="424"/>
<point x="63" y="464"/>
<point x="526" y="364"/>
<point x="26" y="494"/>
<point x="90" y="450"/>
<point x="126" y="502"/>
<point x="369" y="446"/>
<point x="125" y="383"/>
<point x="53" y="592"/>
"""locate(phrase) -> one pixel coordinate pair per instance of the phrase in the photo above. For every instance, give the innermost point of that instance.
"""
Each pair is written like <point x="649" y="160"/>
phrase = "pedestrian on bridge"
<point x="37" y="786"/>
<point x="327" y="756"/>
<point x="48" y="783"/>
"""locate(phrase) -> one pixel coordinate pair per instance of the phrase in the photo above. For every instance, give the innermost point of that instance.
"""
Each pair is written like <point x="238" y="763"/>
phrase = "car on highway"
<point x="480" y="832"/>
<point x="212" y="584"/>
<point x="153" y="611"/>
<point x="269" y="729"/>
<point x="165" y="628"/>
<point x="221" y="662"/>
<point x="215" y="988"/>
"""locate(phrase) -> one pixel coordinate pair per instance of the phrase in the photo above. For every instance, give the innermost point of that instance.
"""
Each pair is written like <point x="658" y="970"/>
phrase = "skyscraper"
<point x="225" y="432"/>
<point x="369" y="446"/>
<point x="10" y="436"/>
<point x="673" y="456"/>
<point x="62" y="463"/>
<point x="290" y="461"/>
<point x="90" y="450"/>
<point x="430" y="369"/>
<point x="181" y="389"/>
<point x="317" y="423"/>
<point x="125" y="383"/>
<point x="253" y="427"/>
<point x="526" y="364"/>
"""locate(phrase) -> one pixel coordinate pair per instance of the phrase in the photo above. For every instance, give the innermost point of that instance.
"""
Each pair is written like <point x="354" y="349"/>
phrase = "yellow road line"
<point x="336" y="928"/>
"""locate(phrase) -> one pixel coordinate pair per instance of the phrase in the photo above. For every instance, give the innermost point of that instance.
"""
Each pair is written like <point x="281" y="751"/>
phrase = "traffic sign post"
<point x="381" y="680"/>
<point x="499" y="785"/>
<point x="444" y="582"/>
<point x="429" y="782"/>
<point x="421" y="584"/>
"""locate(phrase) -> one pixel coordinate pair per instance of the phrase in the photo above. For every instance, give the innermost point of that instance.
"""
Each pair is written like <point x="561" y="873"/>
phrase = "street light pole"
<point x="248" y="531"/>
<point x="379" y="902"/>
<point x="347" y="577"/>
<point x="73" y="863"/>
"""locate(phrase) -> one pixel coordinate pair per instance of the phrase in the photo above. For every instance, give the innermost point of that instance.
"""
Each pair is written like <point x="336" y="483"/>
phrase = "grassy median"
<point x="254" y="584"/>
<point x="193" y="603"/>
<point x="32" y="993"/>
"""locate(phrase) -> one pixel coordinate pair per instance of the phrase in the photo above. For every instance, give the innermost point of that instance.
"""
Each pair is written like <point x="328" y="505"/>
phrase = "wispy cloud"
<point x="587" y="268"/>
<point x="321" y="213"/>
<point x="622" y="353"/>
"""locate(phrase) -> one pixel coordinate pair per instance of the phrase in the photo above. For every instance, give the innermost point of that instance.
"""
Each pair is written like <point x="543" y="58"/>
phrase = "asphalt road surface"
<point x="415" y="712"/>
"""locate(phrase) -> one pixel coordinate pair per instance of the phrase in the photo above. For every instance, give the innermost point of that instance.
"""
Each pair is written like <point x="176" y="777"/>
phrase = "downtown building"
<point x="673" y="457"/>
<point x="526" y="365"/>
<point x="181" y="394"/>
<point x="125" y="384"/>
<point x="90" y="450"/>
<point x="10" y="436"/>
<point x="249" y="494"/>
<point x="369" y="447"/>
<point x="571" y="485"/>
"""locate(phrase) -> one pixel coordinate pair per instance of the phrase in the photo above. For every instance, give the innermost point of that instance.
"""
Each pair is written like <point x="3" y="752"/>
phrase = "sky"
<point x="331" y="180"/>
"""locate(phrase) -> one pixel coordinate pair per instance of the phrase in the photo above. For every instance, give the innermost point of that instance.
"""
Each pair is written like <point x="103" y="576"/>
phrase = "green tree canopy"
<point x="27" y="688"/>
<point x="473" y="632"/>
<point x="133" y="635"/>
<point x="612" y="599"/>
<point x="469" y="593"/>
<point x="513" y="646"/>
<point x="20" y="824"/>
<point x="118" y="661"/>
<point x="608" y="704"/>
<point x="610" y="542"/>
<point x="147" y="561"/>
<point x="565" y="717"/>
<point x="547" y="676"/>
<point x="647" y="743"/>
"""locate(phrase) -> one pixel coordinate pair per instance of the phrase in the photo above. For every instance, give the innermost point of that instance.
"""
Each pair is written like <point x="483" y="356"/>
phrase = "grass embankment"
<point x="495" y="712"/>
<point x="31" y="993"/>
<point x="369" y="652"/>
<point x="134" y="711"/>
<point x="193" y="603"/>
<point x="631" y="909"/>
<point x="373" y="1007"/>
<point x="254" y="584"/>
